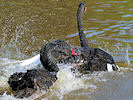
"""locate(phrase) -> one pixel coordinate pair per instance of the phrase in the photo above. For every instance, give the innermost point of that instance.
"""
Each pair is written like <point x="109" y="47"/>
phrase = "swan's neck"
<point x="83" y="40"/>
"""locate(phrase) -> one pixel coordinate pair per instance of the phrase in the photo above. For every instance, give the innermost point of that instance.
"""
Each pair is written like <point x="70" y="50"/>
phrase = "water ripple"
<point x="128" y="15"/>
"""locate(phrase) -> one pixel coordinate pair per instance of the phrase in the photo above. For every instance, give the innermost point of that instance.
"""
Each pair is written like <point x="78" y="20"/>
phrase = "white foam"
<point x="6" y="96"/>
<point x="67" y="81"/>
<point x="10" y="97"/>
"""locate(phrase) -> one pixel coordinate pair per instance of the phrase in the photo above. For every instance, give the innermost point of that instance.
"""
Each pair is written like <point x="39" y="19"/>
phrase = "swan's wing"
<point x="34" y="60"/>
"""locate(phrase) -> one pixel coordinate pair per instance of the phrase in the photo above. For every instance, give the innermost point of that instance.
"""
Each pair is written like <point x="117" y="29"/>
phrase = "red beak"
<point x="73" y="52"/>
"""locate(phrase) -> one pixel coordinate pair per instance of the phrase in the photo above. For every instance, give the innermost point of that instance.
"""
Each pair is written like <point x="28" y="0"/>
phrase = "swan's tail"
<point x="34" y="60"/>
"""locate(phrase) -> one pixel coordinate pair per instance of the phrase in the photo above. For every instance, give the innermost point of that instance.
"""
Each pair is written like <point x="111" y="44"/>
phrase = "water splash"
<point x="67" y="80"/>
<point x="8" y="67"/>
<point x="9" y="97"/>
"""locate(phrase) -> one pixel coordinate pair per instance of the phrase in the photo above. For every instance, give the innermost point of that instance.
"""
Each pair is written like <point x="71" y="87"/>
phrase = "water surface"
<point x="26" y="25"/>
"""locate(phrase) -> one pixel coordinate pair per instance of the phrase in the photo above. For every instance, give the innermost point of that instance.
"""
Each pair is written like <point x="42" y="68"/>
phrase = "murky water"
<point x="26" y="25"/>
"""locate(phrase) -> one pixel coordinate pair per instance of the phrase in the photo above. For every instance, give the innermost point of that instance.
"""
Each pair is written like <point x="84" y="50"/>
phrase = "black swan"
<point x="93" y="59"/>
<point x="87" y="59"/>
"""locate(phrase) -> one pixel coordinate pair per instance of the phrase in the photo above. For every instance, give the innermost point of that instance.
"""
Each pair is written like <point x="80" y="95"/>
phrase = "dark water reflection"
<point x="25" y="25"/>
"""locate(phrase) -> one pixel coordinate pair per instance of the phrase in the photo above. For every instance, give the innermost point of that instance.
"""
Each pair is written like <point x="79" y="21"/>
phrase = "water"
<point x="25" y="26"/>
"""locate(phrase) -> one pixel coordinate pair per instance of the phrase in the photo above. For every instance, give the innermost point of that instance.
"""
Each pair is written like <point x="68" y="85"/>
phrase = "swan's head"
<point x="82" y="7"/>
<point x="112" y="67"/>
